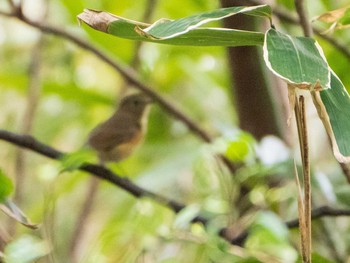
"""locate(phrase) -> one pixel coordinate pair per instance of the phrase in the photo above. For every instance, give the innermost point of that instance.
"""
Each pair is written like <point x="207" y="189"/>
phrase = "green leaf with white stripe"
<point x="297" y="60"/>
<point x="333" y="107"/>
<point x="165" y="29"/>
<point x="301" y="63"/>
<point x="184" y="31"/>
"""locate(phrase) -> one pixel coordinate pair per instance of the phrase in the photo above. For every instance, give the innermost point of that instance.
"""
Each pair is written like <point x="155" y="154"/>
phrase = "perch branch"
<point x="87" y="207"/>
<point x="128" y="73"/>
<point x="30" y="143"/>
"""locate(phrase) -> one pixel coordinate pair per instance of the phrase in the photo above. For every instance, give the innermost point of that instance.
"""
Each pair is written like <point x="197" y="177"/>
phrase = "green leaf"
<point x="317" y="258"/>
<point x="183" y="31"/>
<point x="164" y="29"/>
<point x="6" y="186"/>
<point x="297" y="60"/>
<point x="186" y="215"/>
<point x="301" y="63"/>
<point x="238" y="149"/>
<point x="333" y="107"/>
<point x="343" y="194"/>
<point x="10" y="209"/>
<point x="26" y="249"/>
<point x="73" y="161"/>
<point x="270" y="222"/>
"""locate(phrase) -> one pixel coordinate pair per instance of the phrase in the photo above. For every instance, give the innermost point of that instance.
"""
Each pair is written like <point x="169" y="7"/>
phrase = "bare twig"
<point x="6" y="14"/>
<point x="131" y="76"/>
<point x="128" y="73"/>
<point x="346" y="170"/>
<point x="316" y="213"/>
<point x="33" y="93"/>
<point x="147" y="14"/>
<point x="287" y="17"/>
<point x="30" y="143"/>
<point x="34" y="88"/>
<point x="11" y="4"/>
<point x="93" y="184"/>
<point x="340" y="46"/>
<point x="303" y="18"/>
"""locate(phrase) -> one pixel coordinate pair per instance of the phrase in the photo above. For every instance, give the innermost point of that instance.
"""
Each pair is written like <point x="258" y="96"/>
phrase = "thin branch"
<point x="147" y="14"/>
<point x="303" y="18"/>
<point x="87" y="207"/>
<point x="11" y="4"/>
<point x="132" y="77"/>
<point x="6" y="14"/>
<point x="30" y="143"/>
<point x="128" y="73"/>
<point x="33" y="93"/>
<point x="316" y="213"/>
<point x="346" y="170"/>
<point x="287" y="17"/>
<point x="320" y="212"/>
<point x="340" y="46"/>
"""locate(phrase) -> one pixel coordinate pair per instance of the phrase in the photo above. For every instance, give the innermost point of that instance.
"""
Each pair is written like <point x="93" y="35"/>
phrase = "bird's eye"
<point x="136" y="102"/>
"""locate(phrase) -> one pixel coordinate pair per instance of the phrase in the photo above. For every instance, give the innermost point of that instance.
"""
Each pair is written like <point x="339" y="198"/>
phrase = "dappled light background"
<point x="58" y="92"/>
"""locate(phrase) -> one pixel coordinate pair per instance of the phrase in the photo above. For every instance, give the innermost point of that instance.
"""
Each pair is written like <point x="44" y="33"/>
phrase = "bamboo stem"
<point x="305" y="203"/>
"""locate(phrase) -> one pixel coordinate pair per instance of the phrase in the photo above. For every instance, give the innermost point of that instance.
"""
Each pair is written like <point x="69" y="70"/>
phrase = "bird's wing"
<point x="106" y="137"/>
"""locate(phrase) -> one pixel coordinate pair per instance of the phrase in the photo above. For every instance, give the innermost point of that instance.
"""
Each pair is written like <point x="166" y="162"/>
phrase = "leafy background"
<point x="76" y="91"/>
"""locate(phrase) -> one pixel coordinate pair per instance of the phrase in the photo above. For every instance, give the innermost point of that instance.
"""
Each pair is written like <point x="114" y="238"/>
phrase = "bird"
<point x="117" y="137"/>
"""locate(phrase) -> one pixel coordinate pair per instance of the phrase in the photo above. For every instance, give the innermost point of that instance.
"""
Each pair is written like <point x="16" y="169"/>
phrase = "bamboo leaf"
<point x="333" y="107"/>
<point x="10" y="209"/>
<point x="297" y="60"/>
<point x="165" y="29"/>
<point x="301" y="63"/>
<point x="184" y="31"/>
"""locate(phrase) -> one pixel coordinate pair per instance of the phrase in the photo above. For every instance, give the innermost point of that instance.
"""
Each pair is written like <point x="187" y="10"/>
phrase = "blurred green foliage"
<point x="78" y="91"/>
<point x="6" y="186"/>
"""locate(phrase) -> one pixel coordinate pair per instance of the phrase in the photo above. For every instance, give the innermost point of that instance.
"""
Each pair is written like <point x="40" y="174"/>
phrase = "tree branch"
<point x="81" y="224"/>
<point x="286" y="17"/>
<point x="6" y="14"/>
<point x="303" y="19"/>
<point x="316" y="213"/>
<point x="128" y="73"/>
<point x="30" y="143"/>
<point x="11" y="4"/>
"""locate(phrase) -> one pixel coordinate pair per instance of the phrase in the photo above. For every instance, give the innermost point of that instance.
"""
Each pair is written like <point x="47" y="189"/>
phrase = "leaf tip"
<point x="96" y="19"/>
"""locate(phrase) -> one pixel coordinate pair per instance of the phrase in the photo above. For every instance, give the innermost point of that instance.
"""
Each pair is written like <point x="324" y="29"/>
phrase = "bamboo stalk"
<point x="304" y="204"/>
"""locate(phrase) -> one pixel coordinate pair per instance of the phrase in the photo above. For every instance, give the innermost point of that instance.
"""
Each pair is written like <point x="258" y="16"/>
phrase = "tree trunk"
<point x="255" y="95"/>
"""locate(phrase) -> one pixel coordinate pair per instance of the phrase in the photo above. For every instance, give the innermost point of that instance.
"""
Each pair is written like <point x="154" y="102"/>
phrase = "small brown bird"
<point x="117" y="137"/>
